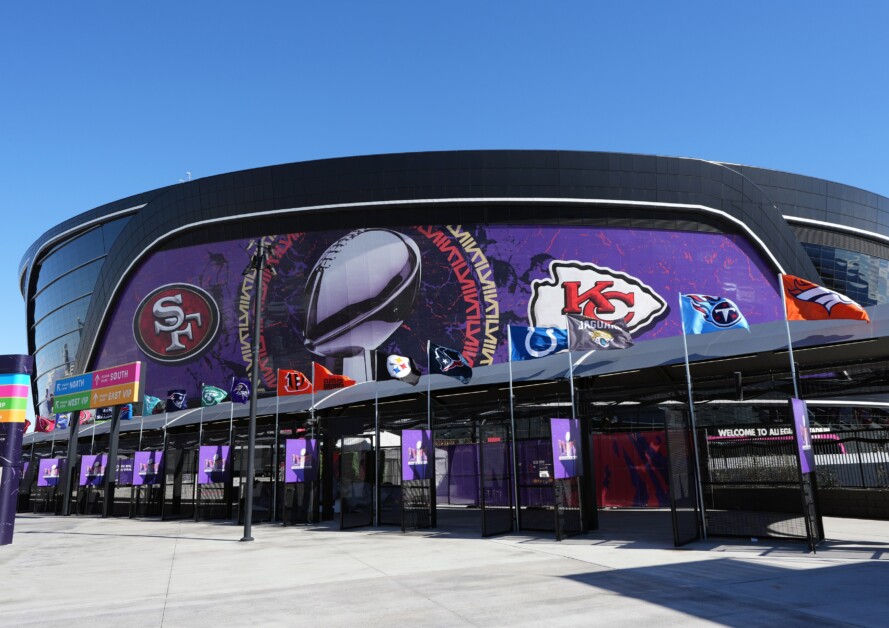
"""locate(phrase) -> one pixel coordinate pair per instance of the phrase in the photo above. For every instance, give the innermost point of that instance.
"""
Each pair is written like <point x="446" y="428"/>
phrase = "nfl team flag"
<point x="589" y="334"/>
<point x="325" y="380"/>
<point x="241" y="390"/>
<point x="398" y="367"/>
<point x="806" y="301"/>
<point x="150" y="405"/>
<point x="177" y="399"/>
<point x="85" y="416"/>
<point x="44" y="424"/>
<point x="292" y="382"/>
<point x="450" y="362"/>
<point x="528" y="343"/>
<point x="126" y="412"/>
<point x="702" y="314"/>
<point x="61" y="421"/>
<point x="211" y="396"/>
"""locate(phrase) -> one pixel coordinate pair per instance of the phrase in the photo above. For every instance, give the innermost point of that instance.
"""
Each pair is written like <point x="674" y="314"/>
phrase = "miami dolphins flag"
<point x="702" y="314"/>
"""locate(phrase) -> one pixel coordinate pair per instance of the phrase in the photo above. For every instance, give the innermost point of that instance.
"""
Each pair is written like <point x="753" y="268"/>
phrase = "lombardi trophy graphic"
<point x="358" y="294"/>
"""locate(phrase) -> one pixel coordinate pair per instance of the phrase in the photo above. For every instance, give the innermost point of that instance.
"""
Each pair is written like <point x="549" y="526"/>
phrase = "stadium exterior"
<point x="389" y="252"/>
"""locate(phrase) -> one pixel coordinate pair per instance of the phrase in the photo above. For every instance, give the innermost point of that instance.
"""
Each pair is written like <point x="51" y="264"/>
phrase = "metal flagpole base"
<point x="245" y="539"/>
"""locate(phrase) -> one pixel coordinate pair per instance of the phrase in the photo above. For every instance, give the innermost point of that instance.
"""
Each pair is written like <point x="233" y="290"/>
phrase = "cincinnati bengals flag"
<point x="323" y="379"/>
<point x="292" y="382"/>
<point x="806" y="301"/>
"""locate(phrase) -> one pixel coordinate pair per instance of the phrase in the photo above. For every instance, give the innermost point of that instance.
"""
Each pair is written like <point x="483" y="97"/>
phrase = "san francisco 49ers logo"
<point x="176" y="322"/>
<point x="594" y="292"/>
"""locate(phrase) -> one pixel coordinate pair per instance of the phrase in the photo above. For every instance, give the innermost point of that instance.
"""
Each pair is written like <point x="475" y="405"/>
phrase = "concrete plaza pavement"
<point x="84" y="571"/>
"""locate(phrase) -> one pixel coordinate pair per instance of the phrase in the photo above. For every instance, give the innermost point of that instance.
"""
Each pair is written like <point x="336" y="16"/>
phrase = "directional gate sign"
<point x="113" y="386"/>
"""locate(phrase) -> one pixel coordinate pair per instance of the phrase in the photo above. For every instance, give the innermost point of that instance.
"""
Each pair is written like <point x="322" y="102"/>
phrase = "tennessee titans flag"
<point x="528" y="343"/>
<point x="240" y="391"/>
<point x="702" y="314"/>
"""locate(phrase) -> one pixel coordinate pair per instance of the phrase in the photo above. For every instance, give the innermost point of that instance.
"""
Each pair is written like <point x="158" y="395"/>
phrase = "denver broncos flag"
<point x="292" y="382"/>
<point x="325" y="380"/>
<point x="702" y="314"/>
<point x="806" y="301"/>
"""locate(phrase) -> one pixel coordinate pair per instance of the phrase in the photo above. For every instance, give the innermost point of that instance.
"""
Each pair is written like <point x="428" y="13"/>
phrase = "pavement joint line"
<point x="170" y="577"/>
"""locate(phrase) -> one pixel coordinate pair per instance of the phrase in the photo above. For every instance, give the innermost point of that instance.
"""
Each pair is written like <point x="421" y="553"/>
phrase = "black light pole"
<point x="258" y="264"/>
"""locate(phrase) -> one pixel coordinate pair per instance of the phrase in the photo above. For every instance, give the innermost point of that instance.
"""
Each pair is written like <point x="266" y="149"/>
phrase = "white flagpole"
<point x="428" y="385"/>
<point x="275" y="462"/>
<point x="141" y="425"/>
<point x="694" y="426"/>
<point x="312" y="408"/>
<point x="789" y="341"/>
<point x="376" y="441"/>
<point x="201" y="425"/>
<point x="231" y="415"/>
<point x="515" y="478"/>
<point x="570" y="368"/>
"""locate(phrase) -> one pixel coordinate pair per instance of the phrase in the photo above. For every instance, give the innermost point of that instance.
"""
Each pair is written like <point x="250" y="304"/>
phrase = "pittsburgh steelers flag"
<point x="398" y="367"/>
<point x="702" y="314"/>
<point x="588" y="334"/>
<point x="211" y="396"/>
<point x="322" y="379"/>
<point x="292" y="382"/>
<point x="806" y="301"/>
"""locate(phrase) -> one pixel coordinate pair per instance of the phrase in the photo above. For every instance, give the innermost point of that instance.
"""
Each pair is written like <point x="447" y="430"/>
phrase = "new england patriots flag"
<point x="702" y="314"/>
<point x="528" y="343"/>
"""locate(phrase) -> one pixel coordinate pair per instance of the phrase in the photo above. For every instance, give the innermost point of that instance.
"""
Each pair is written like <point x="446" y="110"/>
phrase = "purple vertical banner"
<point x="148" y="467"/>
<point x="214" y="464"/>
<point x="49" y="471"/>
<point x="124" y="471"/>
<point x="417" y="456"/>
<point x="300" y="460"/>
<point x="803" y="435"/>
<point x="15" y="380"/>
<point x="92" y="470"/>
<point x="566" y="448"/>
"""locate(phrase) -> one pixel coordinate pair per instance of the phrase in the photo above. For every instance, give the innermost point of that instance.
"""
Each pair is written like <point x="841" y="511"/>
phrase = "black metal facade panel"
<point x="448" y="175"/>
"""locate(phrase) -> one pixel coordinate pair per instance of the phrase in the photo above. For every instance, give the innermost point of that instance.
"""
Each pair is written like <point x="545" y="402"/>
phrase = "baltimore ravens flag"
<point x="240" y="389"/>
<point x="397" y="367"/>
<point x="292" y="382"/>
<point x="528" y="343"/>
<point x="450" y="362"/>
<point x="211" y="396"/>
<point x="588" y="334"/>
<point x="702" y="314"/>
<point x="177" y="400"/>
<point x="806" y="301"/>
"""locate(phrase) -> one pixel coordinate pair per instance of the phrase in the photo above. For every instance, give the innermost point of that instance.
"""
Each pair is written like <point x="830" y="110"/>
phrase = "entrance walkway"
<point x="95" y="572"/>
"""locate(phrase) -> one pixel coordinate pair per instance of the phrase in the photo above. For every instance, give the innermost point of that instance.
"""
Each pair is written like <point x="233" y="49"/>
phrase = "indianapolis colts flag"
<point x="529" y="343"/>
<point x="702" y="314"/>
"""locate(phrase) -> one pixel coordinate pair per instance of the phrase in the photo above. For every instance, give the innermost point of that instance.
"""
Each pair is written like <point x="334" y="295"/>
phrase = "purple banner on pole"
<point x="92" y="470"/>
<point x="125" y="472"/>
<point x="214" y="464"/>
<point x="50" y="470"/>
<point x="803" y="436"/>
<point x="148" y="467"/>
<point x="566" y="448"/>
<point x="417" y="455"/>
<point x="300" y="460"/>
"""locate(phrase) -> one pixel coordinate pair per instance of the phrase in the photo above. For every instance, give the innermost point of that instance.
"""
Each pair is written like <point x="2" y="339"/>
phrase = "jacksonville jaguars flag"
<point x="529" y="343"/>
<point x="240" y="390"/>
<point x="702" y="314"/>
<point x="450" y="362"/>
<point x="590" y="334"/>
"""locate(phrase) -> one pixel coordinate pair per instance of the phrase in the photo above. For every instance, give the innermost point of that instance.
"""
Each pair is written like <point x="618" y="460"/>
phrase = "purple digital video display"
<point x="50" y="471"/>
<point x="125" y="472"/>
<point x="803" y="436"/>
<point x="148" y="467"/>
<point x="417" y="455"/>
<point x="395" y="289"/>
<point x="300" y="460"/>
<point x="214" y="464"/>
<point x="92" y="470"/>
<point x="566" y="448"/>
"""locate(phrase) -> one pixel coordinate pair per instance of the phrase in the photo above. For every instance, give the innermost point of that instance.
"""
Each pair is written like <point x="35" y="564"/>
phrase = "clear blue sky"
<point x="101" y="100"/>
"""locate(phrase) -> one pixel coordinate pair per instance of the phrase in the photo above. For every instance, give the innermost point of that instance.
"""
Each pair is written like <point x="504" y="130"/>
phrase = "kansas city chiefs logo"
<point x="595" y="292"/>
<point x="176" y="322"/>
